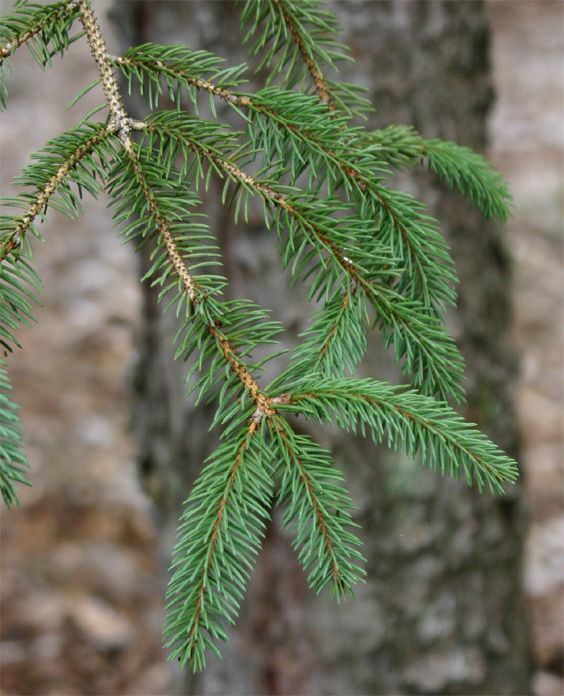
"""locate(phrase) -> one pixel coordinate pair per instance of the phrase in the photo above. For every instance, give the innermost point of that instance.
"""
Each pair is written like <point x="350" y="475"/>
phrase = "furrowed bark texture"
<point x="442" y="610"/>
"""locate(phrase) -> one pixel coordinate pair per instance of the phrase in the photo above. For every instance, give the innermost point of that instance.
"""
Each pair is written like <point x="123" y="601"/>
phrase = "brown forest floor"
<point x="82" y="604"/>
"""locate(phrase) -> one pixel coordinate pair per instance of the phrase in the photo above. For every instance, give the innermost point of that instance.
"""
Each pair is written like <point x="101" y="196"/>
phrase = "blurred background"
<point x="465" y="592"/>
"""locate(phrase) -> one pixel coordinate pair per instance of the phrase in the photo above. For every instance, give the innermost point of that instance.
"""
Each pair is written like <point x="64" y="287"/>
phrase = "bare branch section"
<point x="120" y="120"/>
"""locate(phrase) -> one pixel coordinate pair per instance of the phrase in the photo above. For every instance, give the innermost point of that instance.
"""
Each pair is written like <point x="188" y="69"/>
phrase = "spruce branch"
<point x="318" y="509"/>
<point x="321" y="85"/>
<point x="414" y="423"/>
<point x="300" y="37"/>
<point x="219" y="535"/>
<point x="65" y="160"/>
<point x="358" y="244"/>
<point x="212" y="315"/>
<point x="72" y="148"/>
<point x="469" y="172"/>
<point x="119" y="120"/>
<point x="457" y="166"/>
<point x="19" y="289"/>
<point x="333" y="153"/>
<point x="335" y="341"/>
<point x="43" y="28"/>
<point x="123" y="124"/>
<point x="157" y="68"/>
<point x="430" y="354"/>
<point x="38" y="26"/>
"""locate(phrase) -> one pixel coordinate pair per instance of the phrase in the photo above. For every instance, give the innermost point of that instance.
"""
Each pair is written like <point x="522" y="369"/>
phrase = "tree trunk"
<point x="442" y="610"/>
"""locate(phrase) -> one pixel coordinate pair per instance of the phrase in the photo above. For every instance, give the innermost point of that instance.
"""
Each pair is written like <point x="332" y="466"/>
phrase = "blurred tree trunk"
<point x="442" y="610"/>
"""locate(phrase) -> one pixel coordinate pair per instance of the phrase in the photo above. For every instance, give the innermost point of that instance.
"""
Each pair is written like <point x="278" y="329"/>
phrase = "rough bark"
<point x="442" y="610"/>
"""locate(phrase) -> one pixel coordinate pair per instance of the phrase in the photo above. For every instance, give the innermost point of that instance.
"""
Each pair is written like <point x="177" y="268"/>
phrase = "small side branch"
<point x="317" y="508"/>
<point x="414" y="422"/>
<point x="15" y="240"/>
<point x="316" y="505"/>
<point x="47" y="15"/>
<point x="213" y="538"/>
<point x="313" y="68"/>
<point x="196" y="295"/>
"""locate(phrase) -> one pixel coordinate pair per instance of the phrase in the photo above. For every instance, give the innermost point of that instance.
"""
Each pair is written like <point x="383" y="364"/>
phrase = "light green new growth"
<point x="363" y="249"/>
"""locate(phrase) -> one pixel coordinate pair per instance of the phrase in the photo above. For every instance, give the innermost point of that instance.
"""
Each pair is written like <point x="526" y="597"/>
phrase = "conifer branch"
<point x="191" y="288"/>
<point x="163" y="229"/>
<point x="312" y="67"/>
<point x="124" y="124"/>
<point x="302" y="34"/>
<point x="397" y="218"/>
<point x="16" y="278"/>
<point x="318" y="508"/>
<point x="193" y="634"/>
<point x="178" y="66"/>
<point x="362" y="244"/>
<point x="85" y="145"/>
<point x="269" y="193"/>
<point x="468" y="172"/>
<point x="431" y="355"/>
<point x="66" y="159"/>
<point x="119" y="118"/>
<point x="335" y="341"/>
<point x="414" y="423"/>
<point x="196" y="294"/>
<point x="45" y="31"/>
<point x="334" y="326"/>
<point x="219" y="534"/>
<point x="33" y="20"/>
<point x="457" y="166"/>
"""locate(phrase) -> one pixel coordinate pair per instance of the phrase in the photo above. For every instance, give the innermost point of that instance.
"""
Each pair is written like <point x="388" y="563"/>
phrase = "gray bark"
<point x="442" y="610"/>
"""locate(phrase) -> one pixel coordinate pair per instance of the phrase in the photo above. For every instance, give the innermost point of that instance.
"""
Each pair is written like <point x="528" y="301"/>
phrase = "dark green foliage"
<point x="156" y="70"/>
<point x="413" y="423"/>
<point x="471" y="174"/>
<point x="13" y="460"/>
<point x="216" y="550"/>
<point x="370" y="256"/>
<point x="297" y="38"/>
<point x="318" y="508"/>
<point x="457" y="166"/>
<point x="19" y="287"/>
<point x="44" y="29"/>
